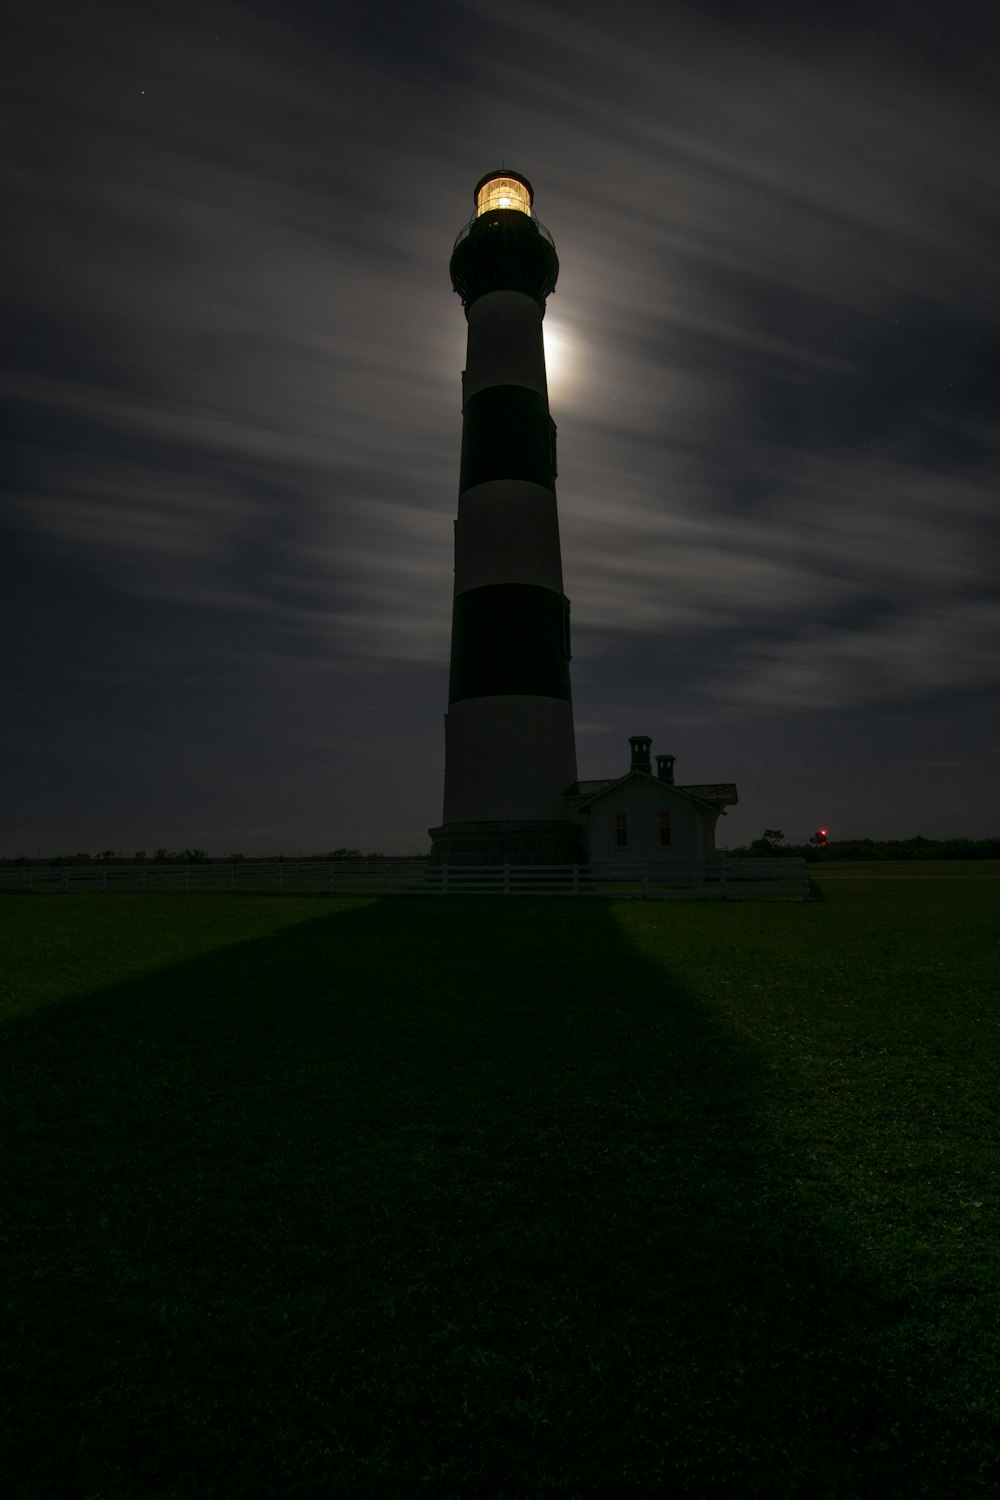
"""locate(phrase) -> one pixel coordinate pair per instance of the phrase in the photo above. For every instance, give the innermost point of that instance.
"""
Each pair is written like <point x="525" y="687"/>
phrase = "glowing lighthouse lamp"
<point x="510" y="753"/>
<point x="503" y="192"/>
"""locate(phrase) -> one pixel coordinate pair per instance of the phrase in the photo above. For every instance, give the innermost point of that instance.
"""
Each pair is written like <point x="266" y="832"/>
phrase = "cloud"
<point x="824" y="534"/>
<point x="937" y="650"/>
<point x="234" y="355"/>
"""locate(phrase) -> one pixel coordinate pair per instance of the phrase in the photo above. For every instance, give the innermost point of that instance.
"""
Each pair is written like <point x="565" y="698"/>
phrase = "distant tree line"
<point x="772" y="844"/>
<point x="186" y="857"/>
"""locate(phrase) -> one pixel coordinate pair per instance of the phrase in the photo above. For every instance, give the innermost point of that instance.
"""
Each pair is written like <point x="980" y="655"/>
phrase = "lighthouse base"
<point x="527" y="843"/>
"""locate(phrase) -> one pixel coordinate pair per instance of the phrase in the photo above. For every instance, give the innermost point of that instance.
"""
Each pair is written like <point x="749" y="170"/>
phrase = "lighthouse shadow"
<point x="444" y="1197"/>
<point x="632" y="1290"/>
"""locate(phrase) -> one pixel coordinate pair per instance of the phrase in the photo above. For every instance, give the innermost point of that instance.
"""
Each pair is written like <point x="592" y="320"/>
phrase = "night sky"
<point x="231" y="382"/>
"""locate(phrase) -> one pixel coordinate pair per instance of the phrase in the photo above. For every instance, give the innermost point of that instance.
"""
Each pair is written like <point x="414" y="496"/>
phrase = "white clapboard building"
<point x="646" y="816"/>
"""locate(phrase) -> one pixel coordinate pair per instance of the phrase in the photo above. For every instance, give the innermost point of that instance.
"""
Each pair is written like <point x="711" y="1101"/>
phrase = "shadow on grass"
<point x="448" y="1198"/>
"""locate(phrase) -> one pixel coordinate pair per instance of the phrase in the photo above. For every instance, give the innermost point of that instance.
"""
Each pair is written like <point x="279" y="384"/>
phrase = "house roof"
<point x="717" y="794"/>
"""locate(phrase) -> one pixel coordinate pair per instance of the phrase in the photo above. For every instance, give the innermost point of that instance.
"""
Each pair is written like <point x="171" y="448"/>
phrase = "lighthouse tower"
<point x="510" y="754"/>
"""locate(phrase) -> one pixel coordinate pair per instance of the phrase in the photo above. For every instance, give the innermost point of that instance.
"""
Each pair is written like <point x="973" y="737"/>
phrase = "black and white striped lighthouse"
<point x="510" y="755"/>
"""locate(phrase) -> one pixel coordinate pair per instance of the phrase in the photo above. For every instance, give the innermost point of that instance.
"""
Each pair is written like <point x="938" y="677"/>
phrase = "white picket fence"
<point x="725" y="879"/>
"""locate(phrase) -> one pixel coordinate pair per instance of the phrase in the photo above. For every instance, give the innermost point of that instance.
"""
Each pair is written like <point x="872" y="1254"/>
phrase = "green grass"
<point x="504" y="1198"/>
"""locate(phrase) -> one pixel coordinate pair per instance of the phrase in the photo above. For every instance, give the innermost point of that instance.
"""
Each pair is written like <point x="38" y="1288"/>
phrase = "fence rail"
<point x="719" y="877"/>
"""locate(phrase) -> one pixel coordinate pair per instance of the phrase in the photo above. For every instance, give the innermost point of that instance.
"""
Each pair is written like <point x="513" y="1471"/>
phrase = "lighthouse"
<point x="510" y="755"/>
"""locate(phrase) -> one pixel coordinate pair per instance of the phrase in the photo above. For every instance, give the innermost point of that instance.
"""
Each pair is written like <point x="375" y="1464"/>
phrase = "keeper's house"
<point x="640" y="816"/>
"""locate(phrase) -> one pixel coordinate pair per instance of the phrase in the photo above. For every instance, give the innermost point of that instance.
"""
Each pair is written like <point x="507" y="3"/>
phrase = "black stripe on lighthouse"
<point x="510" y="638"/>
<point x="507" y="433"/>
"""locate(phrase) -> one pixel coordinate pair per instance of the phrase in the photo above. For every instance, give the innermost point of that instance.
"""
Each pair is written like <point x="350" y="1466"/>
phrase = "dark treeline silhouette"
<point x="189" y="857"/>
<point x="771" y="845"/>
<point x="901" y="849"/>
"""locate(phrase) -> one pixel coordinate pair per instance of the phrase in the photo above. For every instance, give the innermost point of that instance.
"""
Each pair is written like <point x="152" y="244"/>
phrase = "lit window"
<point x="503" y="192"/>
<point x="621" y="830"/>
<point x="664" y="822"/>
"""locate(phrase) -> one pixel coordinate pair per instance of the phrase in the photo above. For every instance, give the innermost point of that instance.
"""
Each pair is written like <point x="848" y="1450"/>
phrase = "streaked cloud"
<point x="234" y="359"/>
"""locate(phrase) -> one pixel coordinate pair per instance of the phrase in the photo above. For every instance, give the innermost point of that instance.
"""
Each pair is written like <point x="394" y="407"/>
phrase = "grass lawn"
<point x="505" y="1198"/>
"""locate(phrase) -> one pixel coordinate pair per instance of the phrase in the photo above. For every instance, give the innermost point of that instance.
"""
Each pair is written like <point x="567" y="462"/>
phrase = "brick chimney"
<point x="665" y="768"/>
<point x="641" y="746"/>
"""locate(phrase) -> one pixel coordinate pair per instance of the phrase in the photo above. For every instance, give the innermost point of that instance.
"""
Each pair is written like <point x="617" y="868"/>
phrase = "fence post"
<point x="506" y="880"/>
<point x="722" y="877"/>
<point x="385" y="883"/>
<point x="444" y="880"/>
<point x="645" y="885"/>
<point x="576" y="880"/>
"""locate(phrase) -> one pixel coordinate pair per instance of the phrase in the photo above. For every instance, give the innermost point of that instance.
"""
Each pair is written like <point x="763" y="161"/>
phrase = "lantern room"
<point x="503" y="190"/>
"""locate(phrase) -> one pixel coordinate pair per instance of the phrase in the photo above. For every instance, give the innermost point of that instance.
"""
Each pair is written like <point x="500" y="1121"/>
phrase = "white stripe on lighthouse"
<point x="508" y="757"/>
<point x="507" y="529"/>
<point x="505" y="344"/>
